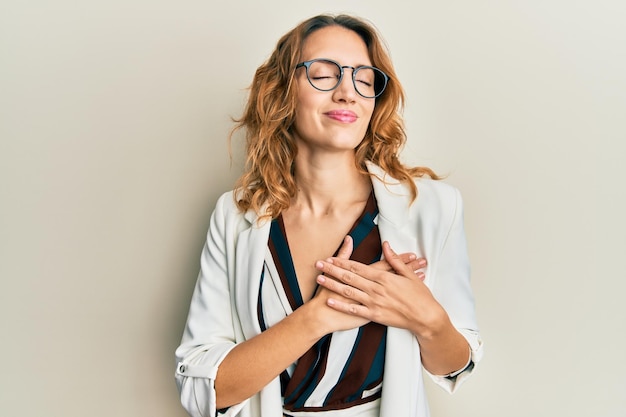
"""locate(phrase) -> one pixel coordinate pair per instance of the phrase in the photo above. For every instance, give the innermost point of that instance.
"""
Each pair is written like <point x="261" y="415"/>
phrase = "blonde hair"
<point x="268" y="181"/>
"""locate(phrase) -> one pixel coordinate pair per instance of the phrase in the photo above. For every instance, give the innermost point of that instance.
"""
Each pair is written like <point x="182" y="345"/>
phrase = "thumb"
<point x="346" y="248"/>
<point x="393" y="258"/>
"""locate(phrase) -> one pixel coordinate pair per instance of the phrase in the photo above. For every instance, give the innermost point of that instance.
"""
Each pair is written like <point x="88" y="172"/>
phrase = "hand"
<point x="335" y="320"/>
<point x="396" y="297"/>
<point x="408" y="258"/>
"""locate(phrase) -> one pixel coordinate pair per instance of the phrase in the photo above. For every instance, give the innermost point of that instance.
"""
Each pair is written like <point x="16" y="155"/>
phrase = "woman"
<point x="303" y="305"/>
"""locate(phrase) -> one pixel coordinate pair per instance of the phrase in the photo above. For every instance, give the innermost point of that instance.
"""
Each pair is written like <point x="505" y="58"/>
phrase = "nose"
<point x="345" y="91"/>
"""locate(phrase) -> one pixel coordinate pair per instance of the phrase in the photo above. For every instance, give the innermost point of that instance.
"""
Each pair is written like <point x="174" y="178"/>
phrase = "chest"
<point x="312" y="241"/>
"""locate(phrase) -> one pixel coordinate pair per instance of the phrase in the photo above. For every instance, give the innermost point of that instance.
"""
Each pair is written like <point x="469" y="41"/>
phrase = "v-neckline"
<point x="286" y="258"/>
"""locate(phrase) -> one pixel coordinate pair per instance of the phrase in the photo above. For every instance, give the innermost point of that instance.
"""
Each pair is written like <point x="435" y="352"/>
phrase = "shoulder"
<point x="437" y="202"/>
<point x="226" y="203"/>
<point x="430" y="193"/>
<point x="227" y="210"/>
<point x="436" y="191"/>
<point x="435" y="197"/>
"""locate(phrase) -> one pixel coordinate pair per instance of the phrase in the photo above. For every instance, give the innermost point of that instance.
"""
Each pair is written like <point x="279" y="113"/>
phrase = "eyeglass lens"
<point x="325" y="75"/>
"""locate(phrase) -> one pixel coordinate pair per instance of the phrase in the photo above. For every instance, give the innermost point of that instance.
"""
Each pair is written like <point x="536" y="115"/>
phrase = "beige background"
<point x="114" y="118"/>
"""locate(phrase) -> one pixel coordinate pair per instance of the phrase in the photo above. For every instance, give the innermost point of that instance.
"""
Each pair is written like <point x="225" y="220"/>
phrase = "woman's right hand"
<point x="241" y="374"/>
<point x="410" y="259"/>
<point x="333" y="320"/>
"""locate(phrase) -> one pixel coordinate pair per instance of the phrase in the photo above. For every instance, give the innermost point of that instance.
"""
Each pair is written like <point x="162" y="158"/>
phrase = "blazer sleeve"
<point x="209" y="332"/>
<point x="452" y="289"/>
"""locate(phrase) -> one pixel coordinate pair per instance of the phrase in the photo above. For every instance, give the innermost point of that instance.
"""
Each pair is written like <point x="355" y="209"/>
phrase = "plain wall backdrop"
<point x="114" y="117"/>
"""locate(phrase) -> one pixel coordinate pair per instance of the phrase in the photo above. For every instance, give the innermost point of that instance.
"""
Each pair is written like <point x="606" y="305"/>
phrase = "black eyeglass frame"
<point x="307" y="65"/>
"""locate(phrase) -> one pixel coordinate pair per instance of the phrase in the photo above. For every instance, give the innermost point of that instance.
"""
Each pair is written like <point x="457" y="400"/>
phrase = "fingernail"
<point x="331" y="302"/>
<point x="421" y="262"/>
<point x="412" y="257"/>
<point x="319" y="265"/>
<point x="321" y="279"/>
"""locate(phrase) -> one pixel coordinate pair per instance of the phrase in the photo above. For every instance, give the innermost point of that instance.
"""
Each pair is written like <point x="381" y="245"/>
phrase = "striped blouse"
<point x="343" y="369"/>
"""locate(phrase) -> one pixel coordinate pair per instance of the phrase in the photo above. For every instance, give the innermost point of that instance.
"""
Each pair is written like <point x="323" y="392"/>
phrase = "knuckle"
<point x="329" y="283"/>
<point x="379" y="291"/>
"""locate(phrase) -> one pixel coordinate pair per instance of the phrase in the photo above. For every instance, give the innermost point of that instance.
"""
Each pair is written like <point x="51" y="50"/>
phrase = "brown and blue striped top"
<point x="343" y="369"/>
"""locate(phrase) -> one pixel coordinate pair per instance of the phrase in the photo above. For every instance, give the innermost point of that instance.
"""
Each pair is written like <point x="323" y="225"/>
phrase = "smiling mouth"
<point x="344" y="116"/>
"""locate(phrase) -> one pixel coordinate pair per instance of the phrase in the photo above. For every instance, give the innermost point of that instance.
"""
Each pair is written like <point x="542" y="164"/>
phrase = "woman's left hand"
<point x="395" y="298"/>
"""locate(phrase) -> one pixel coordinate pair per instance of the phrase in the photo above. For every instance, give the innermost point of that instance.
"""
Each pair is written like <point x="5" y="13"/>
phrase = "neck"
<point x="327" y="186"/>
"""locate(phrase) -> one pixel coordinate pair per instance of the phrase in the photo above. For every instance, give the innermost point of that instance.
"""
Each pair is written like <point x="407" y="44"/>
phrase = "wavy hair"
<point x="267" y="182"/>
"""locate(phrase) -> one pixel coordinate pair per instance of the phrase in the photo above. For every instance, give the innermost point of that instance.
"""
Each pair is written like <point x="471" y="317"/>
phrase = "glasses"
<point x="326" y="75"/>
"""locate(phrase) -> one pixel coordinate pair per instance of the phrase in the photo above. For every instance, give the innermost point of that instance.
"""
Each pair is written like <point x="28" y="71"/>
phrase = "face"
<point x="332" y="120"/>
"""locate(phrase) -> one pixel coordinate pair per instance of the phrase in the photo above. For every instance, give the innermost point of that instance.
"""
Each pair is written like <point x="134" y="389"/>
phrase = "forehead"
<point x="337" y="43"/>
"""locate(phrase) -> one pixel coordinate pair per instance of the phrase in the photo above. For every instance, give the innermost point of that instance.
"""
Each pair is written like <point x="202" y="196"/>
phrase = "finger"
<point x="346" y="248"/>
<point x="382" y="265"/>
<point x="407" y="258"/>
<point x="414" y="265"/>
<point x="341" y="289"/>
<point x="349" y="272"/>
<point x="349" y="308"/>
<point x="417" y="264"/>
<point x="395" y="261"/>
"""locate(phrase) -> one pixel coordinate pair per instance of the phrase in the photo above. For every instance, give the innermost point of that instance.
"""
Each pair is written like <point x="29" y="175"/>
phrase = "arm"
<point x="443" y="348"/>
<point x="443" y="320"/>
<point x="209" y="332"/>
<point x="452" y="289"/>
<point x="214" y="371"/>
<point x="390" y="298"/>
<point x="254" y="363"/>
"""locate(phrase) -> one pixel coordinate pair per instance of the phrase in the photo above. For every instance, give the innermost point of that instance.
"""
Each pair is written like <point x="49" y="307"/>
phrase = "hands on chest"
<point x="389" y="292"/>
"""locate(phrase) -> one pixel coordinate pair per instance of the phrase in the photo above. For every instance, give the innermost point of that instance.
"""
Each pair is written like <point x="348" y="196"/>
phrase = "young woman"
<point x="333" y="274"/>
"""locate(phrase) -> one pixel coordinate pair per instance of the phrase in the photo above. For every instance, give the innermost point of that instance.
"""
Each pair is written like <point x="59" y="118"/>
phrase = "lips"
<point x="343" y="116"/>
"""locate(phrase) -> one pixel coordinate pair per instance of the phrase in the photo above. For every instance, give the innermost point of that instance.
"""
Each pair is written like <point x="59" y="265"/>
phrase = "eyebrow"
<point x="337" y="61"/>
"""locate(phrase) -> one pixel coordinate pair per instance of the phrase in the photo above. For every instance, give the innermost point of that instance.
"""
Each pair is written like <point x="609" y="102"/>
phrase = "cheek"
<point x="300" y="117"/>
<point x="306" y="110"/>
<point x="307" y="102"/>
<point x="369" y="112"/>
<point x="303" y="124"/>
<point x="306" y="96"/>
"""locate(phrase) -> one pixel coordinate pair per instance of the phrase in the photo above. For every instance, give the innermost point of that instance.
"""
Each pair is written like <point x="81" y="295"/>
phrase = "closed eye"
<point x="325" y="77"/>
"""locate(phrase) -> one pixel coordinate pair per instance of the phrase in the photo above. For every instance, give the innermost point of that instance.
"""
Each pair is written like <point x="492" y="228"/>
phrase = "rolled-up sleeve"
<point x="452" y="289"/>
<point x="209" y="332"/>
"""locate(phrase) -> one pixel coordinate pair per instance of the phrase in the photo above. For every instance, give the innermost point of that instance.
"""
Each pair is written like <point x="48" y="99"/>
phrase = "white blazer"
<point x="223" y="306"/>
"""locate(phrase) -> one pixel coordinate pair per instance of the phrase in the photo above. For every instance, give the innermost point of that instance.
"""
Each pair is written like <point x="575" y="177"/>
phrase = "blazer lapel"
<point x="394" y="224"/>
<point x="249" y="257"/>
<point x="394" y="219"/>
<point x="398" y="225"/>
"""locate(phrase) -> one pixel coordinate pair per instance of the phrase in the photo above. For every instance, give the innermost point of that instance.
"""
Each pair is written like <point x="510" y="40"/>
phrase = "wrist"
<point x="308" y="318"/>
<point x="432" y="325"/>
